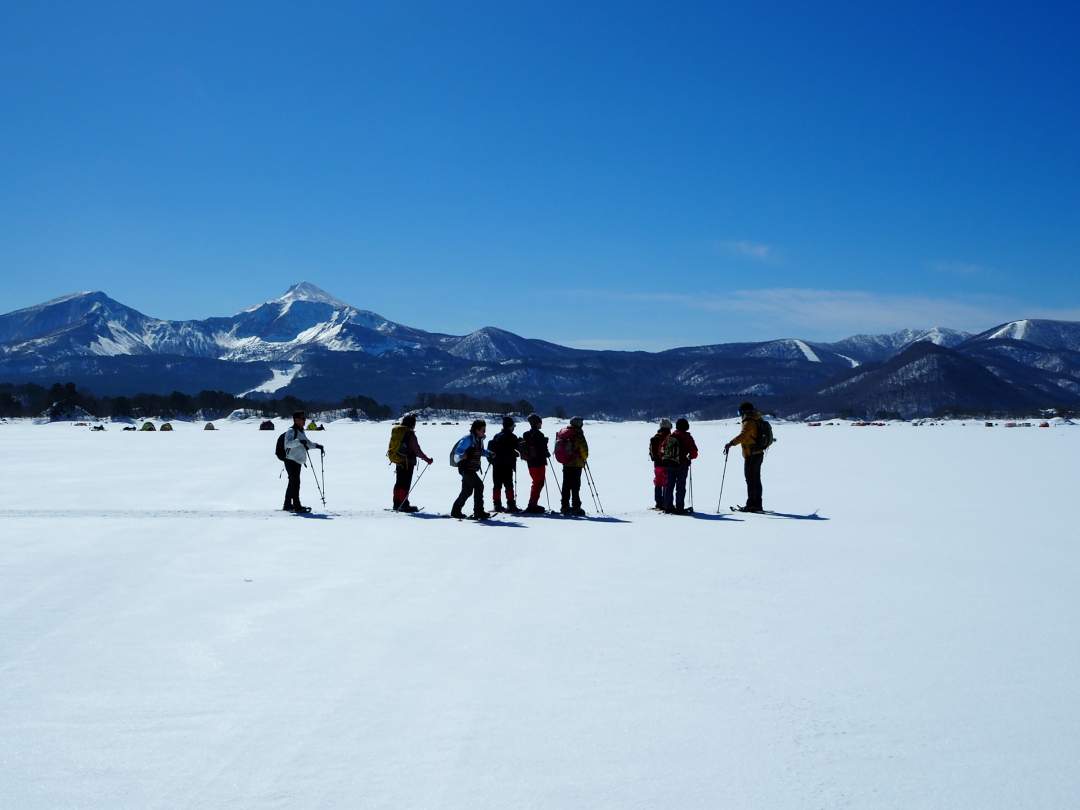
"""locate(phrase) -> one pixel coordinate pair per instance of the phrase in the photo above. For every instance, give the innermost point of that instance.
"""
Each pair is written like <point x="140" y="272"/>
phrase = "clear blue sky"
<point x="624" y="175"/>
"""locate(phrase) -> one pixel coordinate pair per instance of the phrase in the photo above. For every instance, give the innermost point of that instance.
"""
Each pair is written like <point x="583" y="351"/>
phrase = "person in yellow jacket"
<point x="572" y="451"/>
<point x="753" y="454"/>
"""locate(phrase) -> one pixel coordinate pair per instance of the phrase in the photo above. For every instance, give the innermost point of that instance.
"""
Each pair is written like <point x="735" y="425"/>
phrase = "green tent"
<point x="148" y="426"/>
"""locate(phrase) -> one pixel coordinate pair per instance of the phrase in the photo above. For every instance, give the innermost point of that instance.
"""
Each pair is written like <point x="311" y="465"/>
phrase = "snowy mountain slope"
<point x="879" y="348"/>
<point x="333" y="349"/>
<point x="1044" y="333"/>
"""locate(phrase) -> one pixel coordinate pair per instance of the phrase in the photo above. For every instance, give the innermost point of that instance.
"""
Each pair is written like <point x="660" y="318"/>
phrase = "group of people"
<point x="671" y="451"/>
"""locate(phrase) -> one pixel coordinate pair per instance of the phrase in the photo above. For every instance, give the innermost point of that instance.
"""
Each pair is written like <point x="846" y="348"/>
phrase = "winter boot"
<point x="481" y="515"/>
<point x="512" y="507"/>
<point x="535" y="509"/>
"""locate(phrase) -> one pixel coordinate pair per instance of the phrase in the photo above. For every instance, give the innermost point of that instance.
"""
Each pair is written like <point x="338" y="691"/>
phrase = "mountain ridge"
<point x="331" y="346"/>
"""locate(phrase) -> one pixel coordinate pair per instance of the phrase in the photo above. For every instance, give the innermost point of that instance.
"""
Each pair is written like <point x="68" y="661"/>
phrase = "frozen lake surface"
<point x="907" y="637"/>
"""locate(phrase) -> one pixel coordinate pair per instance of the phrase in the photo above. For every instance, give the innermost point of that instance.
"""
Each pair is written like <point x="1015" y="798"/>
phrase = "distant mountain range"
<point x="309" y="344"/>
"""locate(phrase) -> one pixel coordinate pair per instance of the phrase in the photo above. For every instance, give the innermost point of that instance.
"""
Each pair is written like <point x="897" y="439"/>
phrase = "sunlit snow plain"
<point x="907" y="637"/>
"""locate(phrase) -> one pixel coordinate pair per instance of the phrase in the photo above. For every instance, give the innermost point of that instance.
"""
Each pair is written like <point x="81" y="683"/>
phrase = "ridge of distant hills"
<point x="309" y="344"/>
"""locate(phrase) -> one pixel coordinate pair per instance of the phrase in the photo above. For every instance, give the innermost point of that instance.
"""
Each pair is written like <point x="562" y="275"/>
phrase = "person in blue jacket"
<point x="466" y="456"/>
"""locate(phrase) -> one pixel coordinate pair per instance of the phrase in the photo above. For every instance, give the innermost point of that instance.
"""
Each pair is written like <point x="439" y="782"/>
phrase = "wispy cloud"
<point x="957" y="268"/>
<point x="823" y="314"/>
<point x="745" y="249"/>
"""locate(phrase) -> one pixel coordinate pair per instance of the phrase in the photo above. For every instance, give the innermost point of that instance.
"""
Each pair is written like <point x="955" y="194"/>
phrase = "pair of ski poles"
<point x="590" y="481"/>
<point x="318" y="486"/>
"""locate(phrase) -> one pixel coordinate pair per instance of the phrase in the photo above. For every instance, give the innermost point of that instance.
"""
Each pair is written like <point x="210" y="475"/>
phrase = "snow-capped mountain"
<point x="878" y="348"/>
<point x="1048" y="334"/>
<point x="310" y="344"/>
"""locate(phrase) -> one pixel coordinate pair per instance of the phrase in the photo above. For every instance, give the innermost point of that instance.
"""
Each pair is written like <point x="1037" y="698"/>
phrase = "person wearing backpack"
<point x="572" y="451"/>
<point x="754" y="439"/>
<point x="295" y="446"/>
<point x="534" y="449"/>
<point x="678" y="453"/>
<point x="466" y="456"/>
<point x="656" y="444"/>
<point x="504" y="456"/>
<point x="403" y="452"/>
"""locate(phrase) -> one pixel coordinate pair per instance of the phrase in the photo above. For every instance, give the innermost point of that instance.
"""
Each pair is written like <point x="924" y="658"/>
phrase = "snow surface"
<point x="168" y="640"/>
<point x="279" y="379"/>
<point x="808" y="353"/>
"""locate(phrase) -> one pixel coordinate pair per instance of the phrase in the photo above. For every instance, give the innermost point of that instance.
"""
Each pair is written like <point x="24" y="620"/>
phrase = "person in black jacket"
<point x="504" y="455"/>
<point x="534" y="449"/>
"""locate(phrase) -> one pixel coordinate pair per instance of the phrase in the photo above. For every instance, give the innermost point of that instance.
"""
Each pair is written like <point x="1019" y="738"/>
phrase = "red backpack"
<point x="565" y="446"/>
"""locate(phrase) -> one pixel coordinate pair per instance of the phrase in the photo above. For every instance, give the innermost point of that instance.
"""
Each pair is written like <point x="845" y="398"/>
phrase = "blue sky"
<point x="622" y="175"/>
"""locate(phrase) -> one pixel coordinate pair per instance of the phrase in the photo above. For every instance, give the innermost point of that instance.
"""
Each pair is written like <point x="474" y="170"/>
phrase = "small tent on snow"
<point x="148" y="426"/>
<point x="166" y="426"/>
<point x="209" y="426"/>
<point x="267" y="425"/>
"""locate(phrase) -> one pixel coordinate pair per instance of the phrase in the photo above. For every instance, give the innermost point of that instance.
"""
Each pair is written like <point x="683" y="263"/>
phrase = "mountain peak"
<point x="306" y="291"/>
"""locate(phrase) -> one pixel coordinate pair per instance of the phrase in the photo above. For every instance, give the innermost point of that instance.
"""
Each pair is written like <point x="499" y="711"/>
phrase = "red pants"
<point x="538" y="476"/>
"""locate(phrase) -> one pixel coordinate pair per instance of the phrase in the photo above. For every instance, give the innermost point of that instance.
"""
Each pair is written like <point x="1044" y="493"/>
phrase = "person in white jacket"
<point x="297" y="446"/>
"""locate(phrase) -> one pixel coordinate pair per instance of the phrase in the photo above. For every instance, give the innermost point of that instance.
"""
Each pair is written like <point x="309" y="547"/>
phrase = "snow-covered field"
<point x="907" y="637"/>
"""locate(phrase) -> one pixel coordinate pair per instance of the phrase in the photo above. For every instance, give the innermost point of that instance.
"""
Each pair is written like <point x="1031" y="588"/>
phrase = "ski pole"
<point x="722" y="477"/>
<point x="596" y="492"/>
<point x="322" y="472"/>
<point x="417" y="481"/>
<point x="547" y="494"/>
<point x="317" y="486"/>
<point x="555" y="475"/>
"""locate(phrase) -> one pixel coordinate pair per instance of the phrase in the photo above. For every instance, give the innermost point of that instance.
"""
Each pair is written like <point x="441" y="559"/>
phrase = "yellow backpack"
<point x="396" y="451"/>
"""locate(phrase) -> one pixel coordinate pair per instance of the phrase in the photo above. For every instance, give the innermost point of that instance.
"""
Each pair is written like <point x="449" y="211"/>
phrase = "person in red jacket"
<point x="679" y="452"/>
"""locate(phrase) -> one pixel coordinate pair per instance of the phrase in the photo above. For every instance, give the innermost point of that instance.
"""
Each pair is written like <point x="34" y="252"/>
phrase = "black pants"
<point x="571" y="487"/>
<point x="470" y="485"/>
<point x="402" y="484"/>
<point x="502" y="477"/>
<point x="675" y="488"/>
<point x="292" y="491"/>
<point x="752" y="469"/>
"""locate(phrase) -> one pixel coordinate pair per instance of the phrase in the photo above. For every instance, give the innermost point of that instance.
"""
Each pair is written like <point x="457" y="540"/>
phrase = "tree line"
<point x="30" y="400"/>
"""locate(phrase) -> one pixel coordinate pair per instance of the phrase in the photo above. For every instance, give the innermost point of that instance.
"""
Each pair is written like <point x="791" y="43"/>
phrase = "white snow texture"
<point x="169" y="640"/>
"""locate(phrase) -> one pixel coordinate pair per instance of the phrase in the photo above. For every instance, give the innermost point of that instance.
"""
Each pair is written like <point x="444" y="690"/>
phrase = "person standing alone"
<point x="754" y="440"/>
<point x="297" y="446"/>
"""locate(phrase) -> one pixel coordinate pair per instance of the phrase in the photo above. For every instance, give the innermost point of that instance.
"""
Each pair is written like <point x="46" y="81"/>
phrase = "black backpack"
<point x="765" y="437"/>
<point x="279" y="448"/>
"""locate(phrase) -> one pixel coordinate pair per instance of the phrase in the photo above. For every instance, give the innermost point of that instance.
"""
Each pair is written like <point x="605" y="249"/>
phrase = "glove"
<point x="429" y="460"/>
<point x="322" y="449"/>
<point x="727" y="447"/>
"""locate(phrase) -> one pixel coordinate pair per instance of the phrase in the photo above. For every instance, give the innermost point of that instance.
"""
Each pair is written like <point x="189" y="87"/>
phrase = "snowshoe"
<point x="481" y="515"/>
<point x="302" y="510"/>
<point x="535" y="510"/>
<point x="747" y="511"/>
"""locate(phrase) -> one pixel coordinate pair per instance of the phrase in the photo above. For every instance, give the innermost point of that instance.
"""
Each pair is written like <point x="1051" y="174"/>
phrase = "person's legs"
<point x="753" y="481"/>
<point x="680" y="474"/>
<point x="402" y="484"/>
<point x="572" y="487"/>
<point x="467" y="477"/>
<point x="477" y="493"/>
<point x="292" y="490"/>
<point x="659" y="480"/>
<point x="538" y="476"/>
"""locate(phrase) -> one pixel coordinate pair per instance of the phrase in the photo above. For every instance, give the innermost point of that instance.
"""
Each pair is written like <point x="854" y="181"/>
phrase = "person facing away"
<point x="679" y="451"/>
<point x="408" y="451"/>
<point x="572" y="451"/>
<point x="504" y="455"/>
<point x="533" y="447"/>
<point x="753" y="454"/>
<point x="466" y="456"/>
<point x="297" y="446"/>
<point x="656" y="444"/>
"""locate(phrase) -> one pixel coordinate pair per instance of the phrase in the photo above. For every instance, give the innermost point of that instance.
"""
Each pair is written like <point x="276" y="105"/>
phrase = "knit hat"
<point x="665" y="424"/>
<point x="682" y="424"/>
<point x="535" y="420"/>
<point x="577" y="422"/>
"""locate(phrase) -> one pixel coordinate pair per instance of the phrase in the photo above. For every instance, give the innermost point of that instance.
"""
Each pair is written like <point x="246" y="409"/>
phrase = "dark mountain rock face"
<point x="309" y="344"/>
